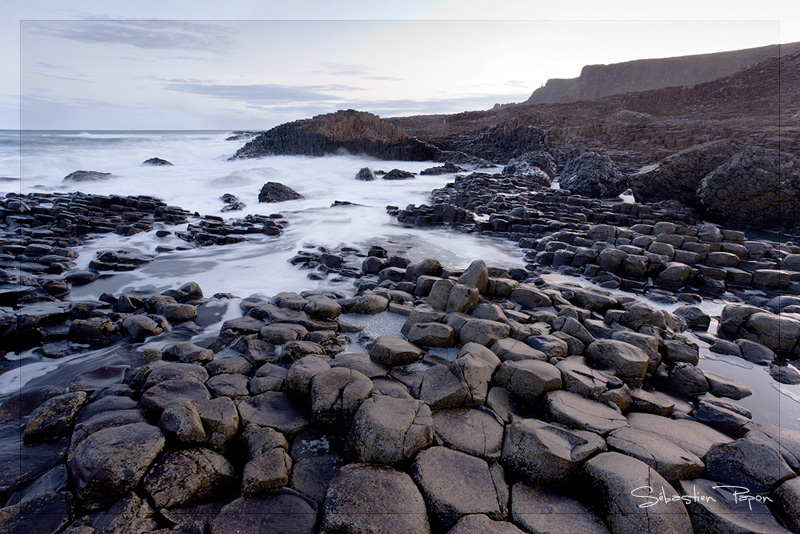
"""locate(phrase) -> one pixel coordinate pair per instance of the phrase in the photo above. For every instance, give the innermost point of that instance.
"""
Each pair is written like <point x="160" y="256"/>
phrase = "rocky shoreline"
<point x="430" y="400"/>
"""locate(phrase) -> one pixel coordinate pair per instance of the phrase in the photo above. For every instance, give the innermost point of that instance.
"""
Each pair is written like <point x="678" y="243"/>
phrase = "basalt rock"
<point x="276" y="192"/>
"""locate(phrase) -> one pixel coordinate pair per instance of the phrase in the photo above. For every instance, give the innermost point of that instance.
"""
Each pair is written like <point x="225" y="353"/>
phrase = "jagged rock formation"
<point x="597" y="81"/>
<point x="351" y="131"/>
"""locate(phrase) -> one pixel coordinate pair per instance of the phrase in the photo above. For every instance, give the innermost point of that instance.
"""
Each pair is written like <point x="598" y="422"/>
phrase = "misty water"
<point x="260" y="266"/>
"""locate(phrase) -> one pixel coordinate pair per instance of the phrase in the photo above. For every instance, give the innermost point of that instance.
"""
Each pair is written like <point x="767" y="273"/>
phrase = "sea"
<point x="38" y="161"/>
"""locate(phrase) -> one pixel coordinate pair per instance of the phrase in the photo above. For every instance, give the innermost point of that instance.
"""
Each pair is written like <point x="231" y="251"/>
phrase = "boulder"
<point x="547" y="454"/>
<point x="188" y="476"/>
<point x="54" y="418"/>
<point x="181" y="421"/>
<point x="283" y="512"/>
<point x="539" y="510"/>
<point x="672" y="462"/>
<point x="220" y="421"/>
<point x="365" y="175"/>
<point x="112" y="461"/>
<point x="678" y="176"/>
<point x="744" y="462"/>
<point x="47" y="512"/>
<point x="268" y="465"/>
<point x="455" y="484"/>
<point x="301" y="373"/>
<point x="277" y="192"/>
<point x="478" y="431"/>
<point x="787" y="500"/>
<point x="156" y="398"/>
<point x="87" y="176"/>
<point x="695" y="437"/>
<point x="716" y="508"/>
<point x="369" y="498"/>
<point x="619" y="485"/>
<point x="593" y="175"/>
<point x="391" y="351"/>
<point x="398" y="174"/>
<point x="275" y="410"/>
<point x="390" y="430"/>
<point x="157" y="162"/>
<point x="756" y="188"/>
<point x="579" y="413"/>
<point x="629" y="361"/>
<point x="528" y="379"/>
<point x="481" y="524"/>
<point x="336" y="395"/>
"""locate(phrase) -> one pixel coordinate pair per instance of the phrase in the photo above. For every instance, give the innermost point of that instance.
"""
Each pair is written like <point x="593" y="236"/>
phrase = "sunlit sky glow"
<point x="102" y="66"/>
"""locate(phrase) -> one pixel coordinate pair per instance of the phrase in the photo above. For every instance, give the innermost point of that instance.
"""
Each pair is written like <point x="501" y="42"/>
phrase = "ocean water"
<point x="39" y="161"/>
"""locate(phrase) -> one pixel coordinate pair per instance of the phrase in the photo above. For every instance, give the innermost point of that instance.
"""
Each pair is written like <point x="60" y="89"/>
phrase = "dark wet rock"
<point x="722" y="511"/>
<point x="756" y="188"/>
<point x="397" y="174"/>
<point x="756" y="466"/>
<point x="725" y="387"/>
<point x="684" y="378"/>
<point x="26" y="400"/>
<point x="81" y="277"/>
<point x="46" y="513"/>
<point x="187" y="476"/>
<point x="359" y="362"/>
<point x="678" y="176"/>
<point x="579" y="413"/>
<point x="156" y="162"/>
<point x="455" y="484"/>
<point x="220" y="420"/>
<point x="391" y="351"/>
<point x="629" y="361"/>
<point x="298" y="379"/>
<point x="612" y="477"/>
<point x="478" y="432"/>
<point x="228" y="385"/>
<point x="593" y="175"/>
<point x="448" y="168"/>
<point x="140" y="327"/>
<point x="365" y="175"/>
<point x="577" y="377"/>
<point x="787" y="501"/>
<point x="528" y="379"/>
<point x="671" y="462"/>
<point x="181" y="421"/>
<point x="539" y="510"/>
<point x="279" y="513"/>
<point x="156" y="398"/>
<point x="432" y="335"/>
<point x="102" y="377"/>
<point x="336" y="395"/>
<point x="161" y="371"/>
<point x="129" y="515"/>
<point x="188" y="352"/>
<point x="87" y="176"/>
<point x="547" y="454"/>
<point x="389" y="430"/>
<point x="275" y="410"/>
<point x="370" y="498"/>
<point x="54" y="418"/>
<point x="368" y="304"/>
<point x="277" y="192"/>
<point x="112" y="461"/>
<point x="481" y="524"/>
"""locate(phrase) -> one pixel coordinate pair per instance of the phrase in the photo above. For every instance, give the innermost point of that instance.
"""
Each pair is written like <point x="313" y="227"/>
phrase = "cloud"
<point x="352" y="69"/>
<point x="151" y="35"/>
<point x="516" y="84"/>
<point x="261" y="94"/>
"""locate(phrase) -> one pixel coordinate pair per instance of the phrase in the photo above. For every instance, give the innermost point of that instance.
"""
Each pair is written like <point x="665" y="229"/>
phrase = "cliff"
<point x="597" y="81"/>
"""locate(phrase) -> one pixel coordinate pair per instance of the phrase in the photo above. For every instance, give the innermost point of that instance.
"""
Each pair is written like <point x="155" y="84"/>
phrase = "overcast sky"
<point x="181" y="64"/>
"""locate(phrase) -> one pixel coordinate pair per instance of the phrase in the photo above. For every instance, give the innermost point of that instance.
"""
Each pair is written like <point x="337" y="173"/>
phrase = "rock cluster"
<point x="40" y="231"/>
<point x="214" y="230"/>
<point x="548" y="389"/>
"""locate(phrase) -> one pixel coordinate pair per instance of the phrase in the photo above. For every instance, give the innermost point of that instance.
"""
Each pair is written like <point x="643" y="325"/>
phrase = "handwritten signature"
<point x="740" y="494"/>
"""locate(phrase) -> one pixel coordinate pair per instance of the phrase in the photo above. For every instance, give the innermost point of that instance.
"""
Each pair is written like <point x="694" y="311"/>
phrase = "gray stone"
<point x="649" y="344"/>
<point x="580" y="413"/>
<point x="441" y="389"/>
<point x="787" y="501"/>
<point x="278" y="513"/>
<point x="695" y="437"/>
<point x="618" y="486"/>
<point x="181" y="421"/>
<point x="715" y="508"/>
<point x="55" y="416"/>
<point x="112" y="461"/>
<point x="228" y="385"/>
<point x="550" y="346"/>
<point x="187" y="477"/>
<point x="268" y="465"/>
<point x="628" y="360"/>
<point x="756" y="466"/>
<point x="432" y="335"/>
<point x="298" y="379"/>
<point x="370" y="499"/>
<point x="478" y="432"/>
<point x="543" y="512"/>
<point x="476" y="275"/>
<point x="481" y="524"/>
<point x="220" y="421"/>
<point x="275" y="410"/>
<point x="547" y="454"/>
<point x="579" y="378"/>
<point x="720" y="386"/>
<point x="508" y="349"/>
<point x="336" y="395"/>
<point x="391" y="351"/>
<point x="455" y="484"/>
<point x="672" y="462"/>
<point x="156" y="398"/>
<point x="389" y="430"/>
<point x="528" y="379"/>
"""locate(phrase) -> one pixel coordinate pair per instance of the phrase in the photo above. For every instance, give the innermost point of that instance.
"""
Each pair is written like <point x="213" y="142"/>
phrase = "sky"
<point x="253" y="64"/>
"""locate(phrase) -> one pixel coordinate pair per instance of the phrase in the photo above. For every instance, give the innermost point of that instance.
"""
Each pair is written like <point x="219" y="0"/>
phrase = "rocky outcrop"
<point x="87" y="176"/>
<point x="276" y="192"/>
<point x="593" y="175"/>
<point x="757" y="188"/>
<point x="157" y="162"/>
<point x="678" y="176"/>
<point x="354" y="132"/>
<point x="597" y="81"/>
